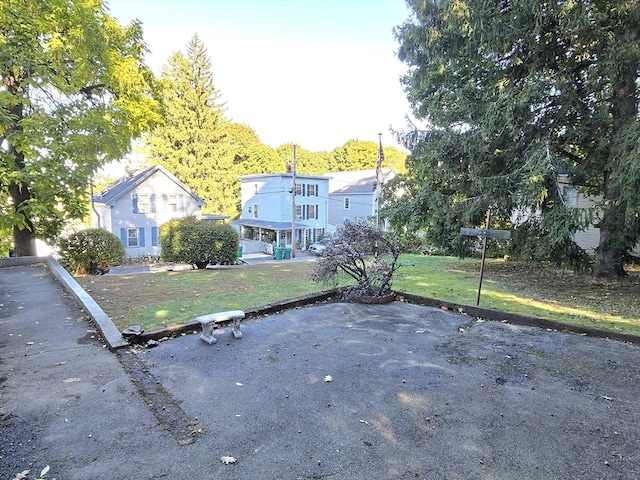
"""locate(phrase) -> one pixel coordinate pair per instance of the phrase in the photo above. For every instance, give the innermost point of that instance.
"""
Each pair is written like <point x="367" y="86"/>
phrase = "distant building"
<point x="353" y="195"/>
<point x="134" y="207"/>
<point x="267" y="210"/>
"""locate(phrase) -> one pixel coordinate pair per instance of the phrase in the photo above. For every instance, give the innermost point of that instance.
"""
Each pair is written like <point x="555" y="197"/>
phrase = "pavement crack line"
<point x="162" y="404"/>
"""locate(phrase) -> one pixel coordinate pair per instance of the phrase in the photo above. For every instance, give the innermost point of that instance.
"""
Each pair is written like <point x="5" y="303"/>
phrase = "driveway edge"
<point x="110" y="334"/>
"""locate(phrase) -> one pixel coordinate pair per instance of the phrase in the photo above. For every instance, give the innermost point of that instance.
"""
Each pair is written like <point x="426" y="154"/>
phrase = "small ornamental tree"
<point x="364" y="252"/>
<point x="91" y="251"/>
<point x="192" y="241"/>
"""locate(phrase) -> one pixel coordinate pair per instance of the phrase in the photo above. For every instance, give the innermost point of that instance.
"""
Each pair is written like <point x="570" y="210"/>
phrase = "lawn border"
<point x="517" y="318"/>
<point x="114" y="338"/>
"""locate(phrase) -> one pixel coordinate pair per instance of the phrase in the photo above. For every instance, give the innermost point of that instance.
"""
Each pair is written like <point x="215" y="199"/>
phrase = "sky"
<point x="316" y="73"/>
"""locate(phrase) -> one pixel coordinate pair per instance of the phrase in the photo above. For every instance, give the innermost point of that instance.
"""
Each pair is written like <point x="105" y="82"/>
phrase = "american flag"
<point x="379" y="169"/>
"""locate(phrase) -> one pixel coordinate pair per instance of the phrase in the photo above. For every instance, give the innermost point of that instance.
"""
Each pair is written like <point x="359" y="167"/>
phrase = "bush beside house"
<point x="192" y="241"/>
<point x="91" y="251"/>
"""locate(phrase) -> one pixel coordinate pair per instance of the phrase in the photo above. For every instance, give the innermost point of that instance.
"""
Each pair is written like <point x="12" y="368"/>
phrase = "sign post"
<point x="485" y="234"/>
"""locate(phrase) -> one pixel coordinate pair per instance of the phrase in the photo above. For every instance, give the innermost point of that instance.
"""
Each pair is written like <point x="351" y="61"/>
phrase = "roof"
<point x="268" y="224"/>
<point x="124" y="185"/>
<point x="357" y="181"/>
<point x="283" y="174"/>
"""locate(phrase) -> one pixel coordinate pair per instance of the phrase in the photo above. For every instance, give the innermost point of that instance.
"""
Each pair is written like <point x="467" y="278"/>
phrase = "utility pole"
<point x="293" y="205"/>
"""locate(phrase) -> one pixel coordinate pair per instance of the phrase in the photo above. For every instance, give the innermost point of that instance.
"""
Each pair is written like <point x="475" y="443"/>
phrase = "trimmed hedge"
<point x="192" y="241"/>
<point x="91" y="251"/>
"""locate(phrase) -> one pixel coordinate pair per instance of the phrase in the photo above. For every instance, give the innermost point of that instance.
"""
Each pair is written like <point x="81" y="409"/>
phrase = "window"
<point x="255" y="210"/>
<point x="172" y="203"/>
<point x="144" y="204"/>
<point x="318" y="233"/>
<point x="312" y="211"/>
<point x="312" y="190"/>
<point x="299" y="212"/>
<point x="299" y="189"/>
<point x="570" y="196"/>
<point x="346" y="203"/>
<point x="132" y="237"/>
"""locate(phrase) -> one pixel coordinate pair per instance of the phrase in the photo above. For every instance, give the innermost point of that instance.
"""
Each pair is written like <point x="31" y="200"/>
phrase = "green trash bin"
<point x="240" y="251"/>
<point x="287" y="254"/>
<point x="277" y="253"/>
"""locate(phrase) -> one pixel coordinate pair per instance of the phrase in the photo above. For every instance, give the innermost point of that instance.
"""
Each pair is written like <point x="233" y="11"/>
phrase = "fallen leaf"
<point x="21" y="475"/>
<point x="607" y="398"/>
<point x="57" y="364"/>
<point x="44" y="471"/>
<point x="238" y="384"/>
<point x="227" y="460"/>
<point x="328" y="378"/>
<point x="364" y="421"/>
<point x="30" y="343"/>
<point x="70" y="380"/>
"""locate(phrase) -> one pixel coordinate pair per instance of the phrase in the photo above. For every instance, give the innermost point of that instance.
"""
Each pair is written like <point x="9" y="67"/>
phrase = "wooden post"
<point x="485" y="234"/>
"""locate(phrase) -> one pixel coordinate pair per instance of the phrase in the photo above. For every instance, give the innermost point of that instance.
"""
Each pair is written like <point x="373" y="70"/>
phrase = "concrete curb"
<point x="193" y="326"/>
<point x="111" y="335"/>
<point x="517" y="319"/>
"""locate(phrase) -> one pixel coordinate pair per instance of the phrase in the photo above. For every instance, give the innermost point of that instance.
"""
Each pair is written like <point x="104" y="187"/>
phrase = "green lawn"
<point x="173" y="297"/>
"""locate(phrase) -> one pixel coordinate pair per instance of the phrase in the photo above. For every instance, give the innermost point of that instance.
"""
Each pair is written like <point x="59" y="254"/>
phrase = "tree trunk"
<point x="613" y="244"/>
<point x="23" y="240"/>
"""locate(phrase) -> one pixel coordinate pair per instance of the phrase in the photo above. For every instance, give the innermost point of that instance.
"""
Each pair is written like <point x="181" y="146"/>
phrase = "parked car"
<point x="318" y="247"/>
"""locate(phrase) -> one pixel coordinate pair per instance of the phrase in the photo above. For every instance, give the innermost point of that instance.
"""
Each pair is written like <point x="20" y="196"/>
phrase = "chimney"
<point x="127" y="170"/>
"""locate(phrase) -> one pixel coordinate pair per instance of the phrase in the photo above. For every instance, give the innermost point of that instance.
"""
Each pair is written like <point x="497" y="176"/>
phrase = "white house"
<point x="268" y="209"/>
<point x="134" y="207"/>
<point x="352" y="195"/>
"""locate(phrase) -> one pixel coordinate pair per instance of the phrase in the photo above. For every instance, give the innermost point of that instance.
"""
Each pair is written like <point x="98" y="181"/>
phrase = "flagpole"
<point x="379" y="178"/>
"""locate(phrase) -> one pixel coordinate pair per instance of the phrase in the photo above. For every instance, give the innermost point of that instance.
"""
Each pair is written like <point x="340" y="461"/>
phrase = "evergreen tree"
<point x="516" y="92"/>
<point x="191" y="142"/>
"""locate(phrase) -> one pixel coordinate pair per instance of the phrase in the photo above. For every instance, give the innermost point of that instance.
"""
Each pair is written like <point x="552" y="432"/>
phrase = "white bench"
<point x="209" y="322"/>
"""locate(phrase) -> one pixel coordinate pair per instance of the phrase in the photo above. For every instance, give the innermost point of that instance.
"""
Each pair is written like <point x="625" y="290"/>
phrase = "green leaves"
<point x="76" y="92"/>
<point x="510" y="95"/>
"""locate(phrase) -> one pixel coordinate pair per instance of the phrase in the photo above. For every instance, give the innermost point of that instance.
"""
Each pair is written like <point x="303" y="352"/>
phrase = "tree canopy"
<point x="74" y="91"/>
<point x="515" y="94"/>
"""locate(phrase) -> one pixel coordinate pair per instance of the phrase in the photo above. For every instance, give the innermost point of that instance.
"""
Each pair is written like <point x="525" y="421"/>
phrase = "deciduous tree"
<point x="74" y="91"/>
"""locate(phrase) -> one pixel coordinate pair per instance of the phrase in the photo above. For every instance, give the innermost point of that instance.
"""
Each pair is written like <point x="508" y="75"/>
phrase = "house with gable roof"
<point x="134" y="207"/>
<point x="352" y="195"/>
<point x="269" y="203"/>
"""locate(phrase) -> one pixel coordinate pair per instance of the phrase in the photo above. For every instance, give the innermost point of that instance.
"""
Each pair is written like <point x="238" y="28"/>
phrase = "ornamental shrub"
<point x="91" y="251"/>
<point x="365" y="253"/>
<point x="192" y="241"/>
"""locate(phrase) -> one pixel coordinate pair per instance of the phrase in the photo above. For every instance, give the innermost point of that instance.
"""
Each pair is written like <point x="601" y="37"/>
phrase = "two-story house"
<point x="269" y="204"/>
<point x="134" y="207"/>
<point x="353" y="195"/>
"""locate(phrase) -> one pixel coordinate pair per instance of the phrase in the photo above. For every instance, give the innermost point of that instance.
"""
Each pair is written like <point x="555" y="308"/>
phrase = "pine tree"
<point x="191" y="142"/>
<point x="515" y="93"/>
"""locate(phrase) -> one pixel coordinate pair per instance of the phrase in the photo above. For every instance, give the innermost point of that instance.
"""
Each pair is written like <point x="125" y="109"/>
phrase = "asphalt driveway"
<point x="336" y="390"/>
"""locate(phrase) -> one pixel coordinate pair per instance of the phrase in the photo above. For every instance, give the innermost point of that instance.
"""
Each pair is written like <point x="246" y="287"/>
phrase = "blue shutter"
<point x="141" y="237"/>
<point x="154" y="236"/>
<point x="123" y="236"/>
